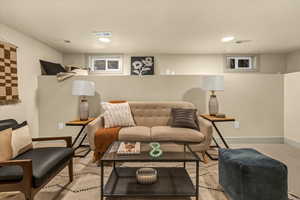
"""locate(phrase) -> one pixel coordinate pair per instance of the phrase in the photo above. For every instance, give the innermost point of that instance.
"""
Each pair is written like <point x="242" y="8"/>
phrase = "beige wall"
<point x="184" y="64"/>
<point x="291" y="99"/>
<point x="256" y="100"/>
<point x="293" y="62"/>
<point x="190" y="63"/>
<point x="74" y="59"/>
<point x="28" y="54"/>
<point x="292" y="107"/>
<point x="272" y="63"/>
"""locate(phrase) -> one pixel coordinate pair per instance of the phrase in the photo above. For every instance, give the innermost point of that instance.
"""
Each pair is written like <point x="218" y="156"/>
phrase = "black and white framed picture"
<point x="142" y="65"/>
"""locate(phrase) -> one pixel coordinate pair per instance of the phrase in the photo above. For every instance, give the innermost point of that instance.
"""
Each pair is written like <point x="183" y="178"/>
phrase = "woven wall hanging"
<point x="8" y="74"/>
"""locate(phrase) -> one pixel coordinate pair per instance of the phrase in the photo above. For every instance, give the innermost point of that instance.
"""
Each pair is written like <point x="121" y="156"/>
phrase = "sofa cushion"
<point x="172" y="134"/>
<point x="45" y="162"/>
<point x="136" y="133"/>
<point x="155" y="113"/>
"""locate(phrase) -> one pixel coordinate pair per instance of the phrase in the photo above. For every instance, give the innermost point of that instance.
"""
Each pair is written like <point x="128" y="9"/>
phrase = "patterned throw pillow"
<point x="184" y="118"/>
<point x="14" y="142"/>
<point x="117" y="115"/>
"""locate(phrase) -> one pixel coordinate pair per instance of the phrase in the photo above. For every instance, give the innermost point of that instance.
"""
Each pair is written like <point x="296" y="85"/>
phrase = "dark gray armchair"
<point x="32" y="170"/>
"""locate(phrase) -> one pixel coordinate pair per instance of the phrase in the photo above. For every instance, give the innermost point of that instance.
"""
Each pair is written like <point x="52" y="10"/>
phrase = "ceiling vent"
<point x="242" y="41"/>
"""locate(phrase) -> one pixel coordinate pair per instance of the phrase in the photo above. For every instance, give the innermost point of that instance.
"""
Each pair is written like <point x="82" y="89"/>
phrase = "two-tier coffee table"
<point x="172" y="181"/>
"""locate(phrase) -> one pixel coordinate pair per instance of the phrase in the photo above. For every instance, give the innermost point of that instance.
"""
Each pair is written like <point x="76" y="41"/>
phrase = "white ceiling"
<point x="158" y="26"/>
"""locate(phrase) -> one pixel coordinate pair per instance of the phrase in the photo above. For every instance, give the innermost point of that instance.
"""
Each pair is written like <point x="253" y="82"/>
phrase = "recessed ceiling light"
<point x="103" y="34"/>
<point x="104" y="39"/>
<point x="67" y="41"/>
<point x="227" y="39"/>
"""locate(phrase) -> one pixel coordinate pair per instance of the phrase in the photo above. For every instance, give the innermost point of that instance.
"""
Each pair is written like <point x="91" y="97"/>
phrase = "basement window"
<point x="106" y="64"/>
<point x="244" y="63"/>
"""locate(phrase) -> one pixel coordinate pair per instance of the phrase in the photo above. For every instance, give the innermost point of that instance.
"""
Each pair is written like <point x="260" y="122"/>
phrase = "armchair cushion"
<point x="45" y="162"/>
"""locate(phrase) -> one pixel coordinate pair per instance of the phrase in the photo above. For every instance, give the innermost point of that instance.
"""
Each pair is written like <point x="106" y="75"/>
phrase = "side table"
<point x="82" y="124"/>
<point x="213" y="120"/>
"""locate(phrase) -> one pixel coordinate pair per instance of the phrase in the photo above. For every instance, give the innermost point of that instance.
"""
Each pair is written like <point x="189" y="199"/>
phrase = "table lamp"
<point x="83" y="89"/>
<point x="213" y="83"/>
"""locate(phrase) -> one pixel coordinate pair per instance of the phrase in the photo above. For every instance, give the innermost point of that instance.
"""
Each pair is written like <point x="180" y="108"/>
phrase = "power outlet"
<point x="60" y="125"/>
<point x="236" y="124"/>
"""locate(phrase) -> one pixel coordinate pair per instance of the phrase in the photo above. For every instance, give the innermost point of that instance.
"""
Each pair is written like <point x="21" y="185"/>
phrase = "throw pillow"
<point x="21" y="140"/>
<point x="184" y="118"/>
<point x="5" y="145"/>
<point x="117" y="115"/>
<point x="14" y="142"/>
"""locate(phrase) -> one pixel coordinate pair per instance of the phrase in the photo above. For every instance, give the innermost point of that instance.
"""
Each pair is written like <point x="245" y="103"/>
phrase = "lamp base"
<point x="83" y="110"/>
<point x="213" y="105"/>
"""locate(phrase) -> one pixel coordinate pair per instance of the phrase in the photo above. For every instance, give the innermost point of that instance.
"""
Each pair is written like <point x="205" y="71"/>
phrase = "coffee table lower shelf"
<point x="172" y="182"/>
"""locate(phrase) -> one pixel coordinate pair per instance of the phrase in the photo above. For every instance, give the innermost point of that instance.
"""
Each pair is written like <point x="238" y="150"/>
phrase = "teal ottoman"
<point x="246" y="174"/>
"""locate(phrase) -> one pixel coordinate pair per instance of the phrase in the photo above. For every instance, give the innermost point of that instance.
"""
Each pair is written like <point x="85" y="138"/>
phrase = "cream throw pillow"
<point x="5" y="145"/>
<point x="14" y="142"/>
<point x="21" y="141"/>
<point x="117" y="115"/>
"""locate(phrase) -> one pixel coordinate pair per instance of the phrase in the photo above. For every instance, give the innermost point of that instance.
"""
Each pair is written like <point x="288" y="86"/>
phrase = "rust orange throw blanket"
<point x="103" y="138"/>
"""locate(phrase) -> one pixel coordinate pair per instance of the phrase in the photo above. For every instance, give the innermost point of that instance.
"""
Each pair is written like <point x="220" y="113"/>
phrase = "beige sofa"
<point x="152" y="124"/>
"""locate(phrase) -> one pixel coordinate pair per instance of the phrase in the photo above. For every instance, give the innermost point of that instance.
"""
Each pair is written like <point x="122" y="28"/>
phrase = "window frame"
<point x="253" y="63"/>
<point x="107" y="58"/>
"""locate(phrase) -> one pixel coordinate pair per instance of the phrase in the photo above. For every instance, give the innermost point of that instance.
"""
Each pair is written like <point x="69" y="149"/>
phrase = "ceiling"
<point x="158" y="26"/>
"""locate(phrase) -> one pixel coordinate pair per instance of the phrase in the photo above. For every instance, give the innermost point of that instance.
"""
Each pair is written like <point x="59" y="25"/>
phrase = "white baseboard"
<point x="252" y="140"/>
<point x="292" y="143"/>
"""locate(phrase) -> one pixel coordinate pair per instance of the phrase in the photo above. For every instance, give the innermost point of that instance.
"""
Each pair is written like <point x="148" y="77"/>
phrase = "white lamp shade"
<point x="83" y="88"/>
<point x="213" y="83"/>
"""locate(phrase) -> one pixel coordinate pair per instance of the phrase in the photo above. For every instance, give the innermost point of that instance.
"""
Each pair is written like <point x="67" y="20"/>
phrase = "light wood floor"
<point x="86" y="180"/>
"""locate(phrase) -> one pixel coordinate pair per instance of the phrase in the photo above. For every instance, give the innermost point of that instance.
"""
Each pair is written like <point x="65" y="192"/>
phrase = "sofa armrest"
<point x="67" y="139"/>
<point x="92" y="128"/>
<point x="207" y="130"/>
